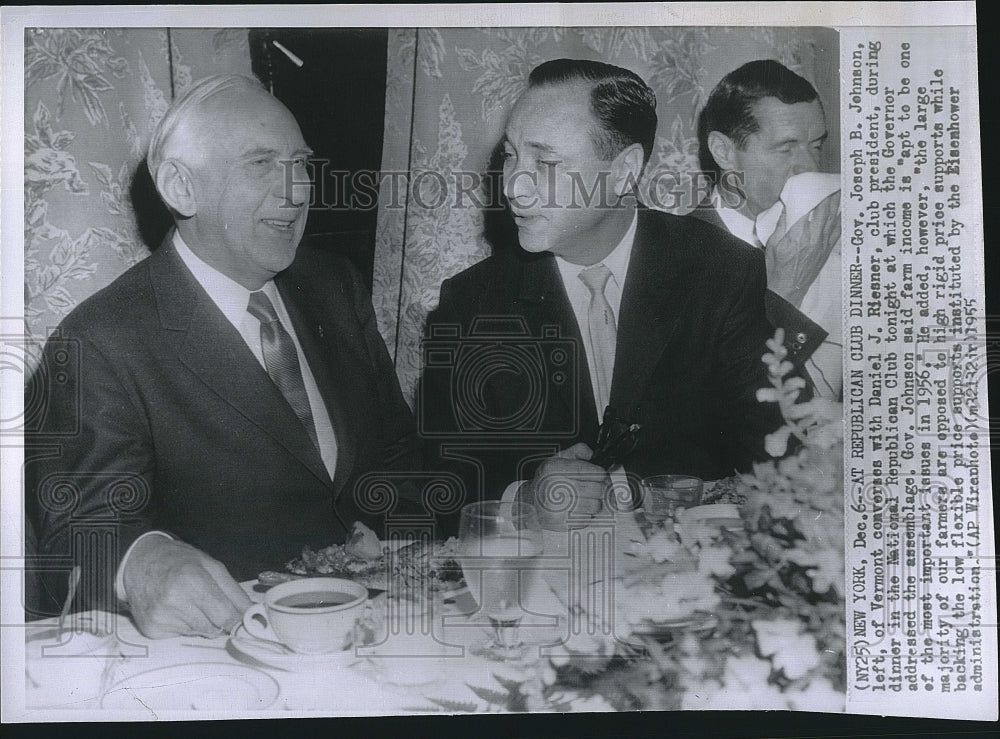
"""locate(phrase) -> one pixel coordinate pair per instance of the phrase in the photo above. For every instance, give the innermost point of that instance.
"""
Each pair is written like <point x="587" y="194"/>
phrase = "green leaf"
<point x="39" y="70"/>
<point x="455" y="706"/>
<point x="493" y="697"/>
<point x="510" y="685"/>
<point x="61" y="139"/>
<point x="102" y="172"/>
<point x="92" y="105"/>
<point x="758" y="578"/>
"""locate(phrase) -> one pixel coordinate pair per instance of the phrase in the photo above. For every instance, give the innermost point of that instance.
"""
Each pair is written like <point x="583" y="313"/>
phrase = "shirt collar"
<point x="230" y="296"/>
<point x="736" y="223"/>
<point x="617" y="261"/>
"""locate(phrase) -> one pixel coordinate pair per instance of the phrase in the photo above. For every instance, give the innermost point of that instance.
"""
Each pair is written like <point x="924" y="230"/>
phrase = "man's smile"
<point x="279" y="224"/>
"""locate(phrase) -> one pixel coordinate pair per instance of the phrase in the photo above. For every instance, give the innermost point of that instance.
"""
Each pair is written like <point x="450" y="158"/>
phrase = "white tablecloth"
<point x="430" y="669"/>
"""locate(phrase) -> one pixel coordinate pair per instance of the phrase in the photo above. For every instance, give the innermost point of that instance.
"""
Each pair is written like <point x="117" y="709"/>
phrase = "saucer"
<point x="276" y="655"/>
<point x="200" y="686"/>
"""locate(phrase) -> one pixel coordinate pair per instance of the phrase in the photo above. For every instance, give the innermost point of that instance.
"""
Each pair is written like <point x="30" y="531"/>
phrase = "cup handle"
<point x="256" y="624"/>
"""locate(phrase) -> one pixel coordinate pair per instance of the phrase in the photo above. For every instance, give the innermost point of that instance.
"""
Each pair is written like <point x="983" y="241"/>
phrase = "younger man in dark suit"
<point x="606" y="304"/>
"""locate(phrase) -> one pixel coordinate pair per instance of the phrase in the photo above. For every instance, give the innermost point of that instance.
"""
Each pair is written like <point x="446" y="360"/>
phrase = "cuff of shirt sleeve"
<point x="120" y="574"/>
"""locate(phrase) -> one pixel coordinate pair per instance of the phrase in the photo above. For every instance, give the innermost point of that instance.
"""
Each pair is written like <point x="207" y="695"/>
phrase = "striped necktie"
<point x="282" y="360"/>
<point x="603" y="331"/>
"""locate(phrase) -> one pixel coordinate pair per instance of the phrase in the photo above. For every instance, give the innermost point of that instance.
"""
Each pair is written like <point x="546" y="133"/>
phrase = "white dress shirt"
<point x="232" y="299"/>
<point x="821" y="304"/>
<point x="736" y="223"/>
<point x="579" y="298"/>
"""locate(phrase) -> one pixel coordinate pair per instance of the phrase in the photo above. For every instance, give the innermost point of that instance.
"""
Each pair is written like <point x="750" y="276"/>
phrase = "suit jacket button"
<point x="796" y="346"/>
<point x="801" y="337"/>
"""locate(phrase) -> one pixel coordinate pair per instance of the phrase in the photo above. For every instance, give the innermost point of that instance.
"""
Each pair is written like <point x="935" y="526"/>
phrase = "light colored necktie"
<point x="603" y="332"/>
<point x="282" y="360"/>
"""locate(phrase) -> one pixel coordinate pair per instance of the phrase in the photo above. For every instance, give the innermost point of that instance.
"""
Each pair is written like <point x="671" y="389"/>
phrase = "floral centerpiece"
<point x="764" y="602"/>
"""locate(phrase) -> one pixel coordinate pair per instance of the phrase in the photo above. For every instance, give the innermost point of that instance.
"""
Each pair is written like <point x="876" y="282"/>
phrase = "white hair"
<point x="183" y="109"/>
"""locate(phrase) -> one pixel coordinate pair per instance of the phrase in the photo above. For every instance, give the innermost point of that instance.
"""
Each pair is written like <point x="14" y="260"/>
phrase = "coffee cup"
<point x="314" y="615"/>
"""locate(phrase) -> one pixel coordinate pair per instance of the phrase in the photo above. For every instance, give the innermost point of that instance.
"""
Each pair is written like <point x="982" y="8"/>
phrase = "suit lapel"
<point x="543" y="301"/>
<point x="654" y="295"/>
<point x="209" y="345"/>
<point x="802" y="335"/>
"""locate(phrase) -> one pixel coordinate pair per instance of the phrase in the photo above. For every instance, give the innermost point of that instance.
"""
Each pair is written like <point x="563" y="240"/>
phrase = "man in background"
<point x="607" y="311"/>
<point x="226" y="394"/>
<point x="761" y="133"/>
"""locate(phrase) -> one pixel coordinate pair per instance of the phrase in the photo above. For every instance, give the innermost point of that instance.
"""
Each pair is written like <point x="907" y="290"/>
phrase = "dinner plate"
<point x="276" y="655"/>
<point x="198" y="686"/>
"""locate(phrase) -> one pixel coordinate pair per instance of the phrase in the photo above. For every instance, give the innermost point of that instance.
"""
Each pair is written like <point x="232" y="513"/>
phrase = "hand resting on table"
<point x="176" y="590"/>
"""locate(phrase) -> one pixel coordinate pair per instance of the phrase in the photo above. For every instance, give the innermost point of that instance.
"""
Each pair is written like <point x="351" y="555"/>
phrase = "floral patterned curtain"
<point x="92" y="98"/>
<point x="448" y="95"/>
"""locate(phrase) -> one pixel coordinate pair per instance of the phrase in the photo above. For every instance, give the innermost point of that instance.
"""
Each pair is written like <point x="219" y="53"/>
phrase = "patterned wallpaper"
<point x="453" y="88"/>
<point x="92" y="98"/>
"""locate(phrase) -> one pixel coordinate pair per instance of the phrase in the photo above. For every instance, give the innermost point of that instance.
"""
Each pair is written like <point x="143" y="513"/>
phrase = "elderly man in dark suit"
<point x="664" y="315"/>
<point x="225" y="395"/>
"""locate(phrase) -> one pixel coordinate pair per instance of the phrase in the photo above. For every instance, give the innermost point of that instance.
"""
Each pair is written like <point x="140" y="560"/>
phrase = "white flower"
<point x="783" y="506"/>
<point x="776" y="444"/>
<point x="676" y="595"/>
<point x="691" y="658"/>
<point x="746" y="672"/>
<point x="697" y="533"/>
<point x="714" y="560"/>
<point x="818" y="411"/>
<point x="767" y="395"/>
<point x="589" y="642"/>
<point x="789" y="647"/>
<point x="744" y="686"/>
<point x="776" y="344"/>
<point x="825" y="567"/>
<point x="819" y="695"/>
<point x="548" y="672"/>
<point x="662" y="547"/>
<point x="591" y="703"/>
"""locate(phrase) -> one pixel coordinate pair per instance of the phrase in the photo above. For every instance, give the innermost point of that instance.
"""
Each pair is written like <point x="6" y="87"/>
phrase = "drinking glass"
<point x="664" y="495"/>
<point x="500" y="545"/>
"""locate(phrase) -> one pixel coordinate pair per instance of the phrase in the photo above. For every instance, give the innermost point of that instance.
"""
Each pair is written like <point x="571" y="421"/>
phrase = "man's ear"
<point x="627" y="169"/>
<point x="176" y="186"/>
<point x="723" y="149"/>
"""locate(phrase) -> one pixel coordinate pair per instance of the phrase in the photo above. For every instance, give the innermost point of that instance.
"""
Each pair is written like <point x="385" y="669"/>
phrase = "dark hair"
<point x="624" y="105"/>
<point x="729" y="109"/>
